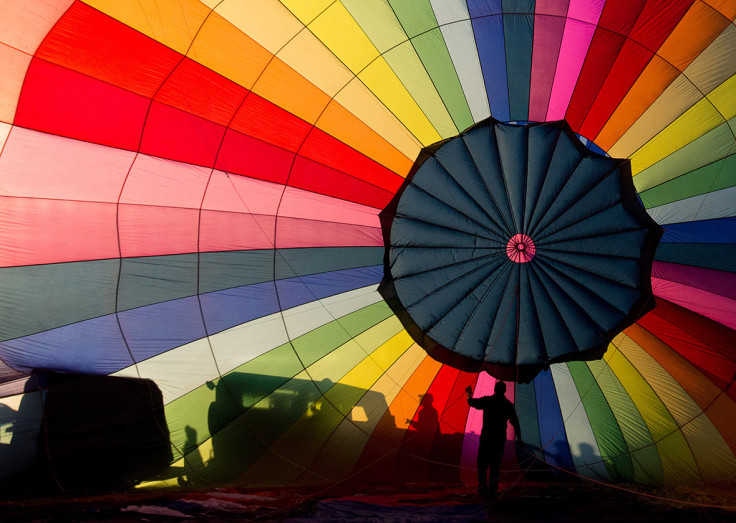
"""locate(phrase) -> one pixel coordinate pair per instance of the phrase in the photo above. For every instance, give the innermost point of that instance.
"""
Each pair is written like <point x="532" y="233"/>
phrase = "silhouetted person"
<point x="497" y="411"/>
<point x="427" y="418"/>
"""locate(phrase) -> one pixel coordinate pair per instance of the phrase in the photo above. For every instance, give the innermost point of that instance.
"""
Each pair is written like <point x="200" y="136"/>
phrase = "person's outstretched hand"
<point x="469" y="389"/>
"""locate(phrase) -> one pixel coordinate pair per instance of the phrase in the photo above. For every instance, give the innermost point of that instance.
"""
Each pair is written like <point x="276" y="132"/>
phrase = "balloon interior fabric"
<point x="509" y="248"/>
<point x="190" y="203"/>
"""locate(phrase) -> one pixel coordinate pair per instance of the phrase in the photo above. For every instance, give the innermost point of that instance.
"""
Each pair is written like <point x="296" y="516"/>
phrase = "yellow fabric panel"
<point x="365" y="374"/>
<point x="342" y="450"/>
<point x="341" y="34"/>
<point x="678" y="463"/>
<point x="701" y="118"/>
<point x="710" y="450"/>
<point x="380" y="79"/>
<point x="174" y="24"/>
<point x="222" y="47"/>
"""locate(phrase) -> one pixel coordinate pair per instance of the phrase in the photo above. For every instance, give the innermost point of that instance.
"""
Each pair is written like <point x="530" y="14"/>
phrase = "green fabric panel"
<point x="518" y="6"/>
<point x="42" y="297"/>
<point x="420" y="24"/>
<point x="647" y="465"/>
<point x="518" y="33"/>
<point x="156" y="279"/>
<point x="314" y="345"/>
<point x="187" y="420"/>
<point x="225" y="270"/>
<point x="716" y="256"/>
<point x="299" y="262"/>
<point x="715" y="176"/>
<point x="611" y="443"/>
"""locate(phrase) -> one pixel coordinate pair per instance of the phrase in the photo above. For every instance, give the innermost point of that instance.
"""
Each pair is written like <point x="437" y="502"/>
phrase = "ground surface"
<point x="528" y="502"/>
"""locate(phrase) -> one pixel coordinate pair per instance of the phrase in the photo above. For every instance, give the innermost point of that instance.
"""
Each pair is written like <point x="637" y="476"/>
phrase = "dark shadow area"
<point x="97" y="434"/>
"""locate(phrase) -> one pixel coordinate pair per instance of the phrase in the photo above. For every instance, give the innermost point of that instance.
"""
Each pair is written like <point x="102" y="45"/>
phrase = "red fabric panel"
<point x="705" y="343"/>
<point x="656" y="22"/>
<point x="178" y="135"/>
<point x="325" y="149"/>
<point x="59" y="101"/>
<point x="201" y="91"/>
<point x="316" y="177"/>
<point x="55" y="231"/>
<point x="268" y="122"/>
<point x="88" y="41"/>
<point x="615" y="23"/>
<point x="242" y="154"/>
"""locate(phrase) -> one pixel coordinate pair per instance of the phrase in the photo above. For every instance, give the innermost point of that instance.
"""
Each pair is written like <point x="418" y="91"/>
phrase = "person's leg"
<point x="482" y="464"/>
<point x="495" y="454"/>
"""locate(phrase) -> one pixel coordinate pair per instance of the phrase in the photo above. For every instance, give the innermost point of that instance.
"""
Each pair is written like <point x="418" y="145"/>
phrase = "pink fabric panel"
<point x="468" y="469"/>
<point x="153" y="230"/>
<point x="230" y="192"/>
<point x="230" y="231"/>
<point x="579" y="31"/>
<point x="551" y="7"/>
<point x="156" y="181"/>
<point x="42" y="165"/>
<point x="53" y="231"/>
<point x="713" y="306"/>
<point x="24" y="27"/>
<point x="303" y="204"/>
<point x="586" y="10"/>
<point x="296" y="232"/>
<point x="548" y="32"/>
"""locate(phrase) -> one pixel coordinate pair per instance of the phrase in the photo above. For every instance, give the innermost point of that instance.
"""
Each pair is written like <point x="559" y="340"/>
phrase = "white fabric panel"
<point x="454" y="21"/>
<point x="718" y="204"/>
<point x="583" y="446"/>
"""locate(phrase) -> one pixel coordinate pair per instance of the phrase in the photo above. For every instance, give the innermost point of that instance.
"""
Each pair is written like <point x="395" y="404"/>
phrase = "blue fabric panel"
<point x="157" y="328"/>
<point x="225" y="309"/>
<point x="705" y="231"/>
<point x="480" y="8"/>
<point x="297" y="291"/>
<point x="490" y="45"/>
<point x="551" y="425"/>
<point x="93" y="346"/>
